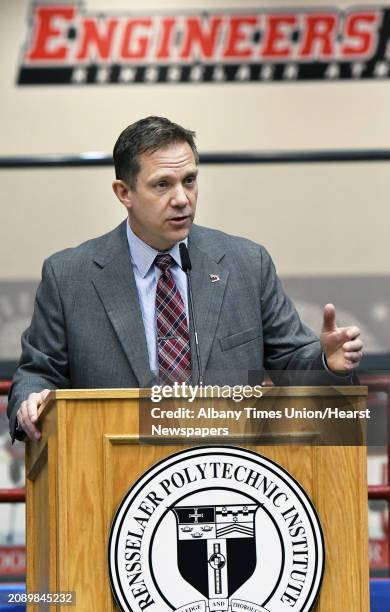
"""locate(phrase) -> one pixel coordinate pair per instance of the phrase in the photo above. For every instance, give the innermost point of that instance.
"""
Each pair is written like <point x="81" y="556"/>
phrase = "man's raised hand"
<point x="342" y="346"/>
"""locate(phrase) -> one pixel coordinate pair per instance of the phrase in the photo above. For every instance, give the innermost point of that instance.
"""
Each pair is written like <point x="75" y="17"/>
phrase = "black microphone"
<point x="186" y="267"/>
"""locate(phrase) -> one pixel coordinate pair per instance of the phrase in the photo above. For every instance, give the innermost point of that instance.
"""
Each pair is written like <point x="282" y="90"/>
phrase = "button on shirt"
<point x="146" y="275"/>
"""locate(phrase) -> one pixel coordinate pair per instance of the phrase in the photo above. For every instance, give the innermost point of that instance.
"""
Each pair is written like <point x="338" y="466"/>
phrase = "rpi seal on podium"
<point x="216" y="529"/>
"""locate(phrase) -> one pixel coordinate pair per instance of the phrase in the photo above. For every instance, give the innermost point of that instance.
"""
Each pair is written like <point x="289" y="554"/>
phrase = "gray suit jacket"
<point x="87" y="329"/>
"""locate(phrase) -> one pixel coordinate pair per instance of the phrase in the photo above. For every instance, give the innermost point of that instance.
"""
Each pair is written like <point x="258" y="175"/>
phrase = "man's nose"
<point x="179" y="197"/>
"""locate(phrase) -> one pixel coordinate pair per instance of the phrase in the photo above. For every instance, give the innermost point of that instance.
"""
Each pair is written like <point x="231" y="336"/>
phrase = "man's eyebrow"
<point x="193" y="172"/>
<point x="168" y="175"/>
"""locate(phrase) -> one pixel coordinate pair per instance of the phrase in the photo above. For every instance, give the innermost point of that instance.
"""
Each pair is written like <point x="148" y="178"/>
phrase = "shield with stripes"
<point x="216" y="547"/>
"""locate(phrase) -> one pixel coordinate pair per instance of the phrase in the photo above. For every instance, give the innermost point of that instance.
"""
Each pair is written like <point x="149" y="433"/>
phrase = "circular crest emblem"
<point x="216" y="529"/>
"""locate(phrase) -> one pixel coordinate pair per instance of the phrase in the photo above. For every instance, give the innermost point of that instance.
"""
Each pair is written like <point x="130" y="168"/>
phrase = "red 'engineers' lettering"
<point x="64" y="34"/>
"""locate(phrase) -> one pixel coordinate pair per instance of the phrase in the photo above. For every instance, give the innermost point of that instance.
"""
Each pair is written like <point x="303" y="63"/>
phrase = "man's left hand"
<point x="342" y="346"/>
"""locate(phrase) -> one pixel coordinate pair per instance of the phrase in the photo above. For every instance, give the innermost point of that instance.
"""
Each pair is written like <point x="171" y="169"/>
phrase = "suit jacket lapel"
<point x="114" y="282"/>
<point x="208" y="295"/>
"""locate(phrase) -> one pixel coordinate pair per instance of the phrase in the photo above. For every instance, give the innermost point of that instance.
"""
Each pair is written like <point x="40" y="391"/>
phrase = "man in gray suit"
<point x="94" y="322"/>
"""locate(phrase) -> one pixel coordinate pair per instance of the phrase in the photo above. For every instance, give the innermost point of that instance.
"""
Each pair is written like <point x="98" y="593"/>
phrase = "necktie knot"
<point x="164" y="261"/>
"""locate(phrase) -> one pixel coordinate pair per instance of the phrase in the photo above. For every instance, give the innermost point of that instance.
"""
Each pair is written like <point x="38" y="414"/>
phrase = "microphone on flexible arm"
<point x="186" y="267"/>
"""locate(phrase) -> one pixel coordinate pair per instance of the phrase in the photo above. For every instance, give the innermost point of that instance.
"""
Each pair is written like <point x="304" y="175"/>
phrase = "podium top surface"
<point x="86" y="394"/>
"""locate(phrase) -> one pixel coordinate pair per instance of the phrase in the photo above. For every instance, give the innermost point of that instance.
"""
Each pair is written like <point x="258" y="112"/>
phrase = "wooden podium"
<point x="90" y="454"/>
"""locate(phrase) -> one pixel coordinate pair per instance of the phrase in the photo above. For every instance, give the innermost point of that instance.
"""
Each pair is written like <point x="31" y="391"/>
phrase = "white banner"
<point x="219" y="605"/>
<point x="195" y="606"/>
<point x="238" y="605"/>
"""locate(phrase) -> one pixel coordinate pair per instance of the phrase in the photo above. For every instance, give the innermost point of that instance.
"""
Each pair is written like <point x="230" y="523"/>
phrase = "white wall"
<point x="315" y="219"/>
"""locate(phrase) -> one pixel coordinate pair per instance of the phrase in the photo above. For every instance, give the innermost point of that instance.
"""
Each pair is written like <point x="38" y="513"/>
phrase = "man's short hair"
<point x="146" y="135"/>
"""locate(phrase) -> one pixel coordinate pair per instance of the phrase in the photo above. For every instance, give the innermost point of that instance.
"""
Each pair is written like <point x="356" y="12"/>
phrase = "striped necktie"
<point x="173" y="338"/>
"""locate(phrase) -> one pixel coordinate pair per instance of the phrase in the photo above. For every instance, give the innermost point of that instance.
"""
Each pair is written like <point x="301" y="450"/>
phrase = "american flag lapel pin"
<point x="214" y="278"/>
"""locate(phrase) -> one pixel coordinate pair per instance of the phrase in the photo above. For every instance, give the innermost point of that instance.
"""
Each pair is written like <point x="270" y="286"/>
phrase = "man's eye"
<point x="190" y="180"/>
<point x="161" y="185"/>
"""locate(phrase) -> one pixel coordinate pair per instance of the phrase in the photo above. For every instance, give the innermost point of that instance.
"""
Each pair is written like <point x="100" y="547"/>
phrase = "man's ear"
<point x="122" y="192"/>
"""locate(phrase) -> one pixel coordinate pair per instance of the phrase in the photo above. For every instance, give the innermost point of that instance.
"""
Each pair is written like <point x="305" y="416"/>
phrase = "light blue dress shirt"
<point x="146" y="275"/>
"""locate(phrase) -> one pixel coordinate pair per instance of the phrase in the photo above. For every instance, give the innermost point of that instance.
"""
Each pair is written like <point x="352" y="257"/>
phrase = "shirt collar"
<point x="143" y="255"/>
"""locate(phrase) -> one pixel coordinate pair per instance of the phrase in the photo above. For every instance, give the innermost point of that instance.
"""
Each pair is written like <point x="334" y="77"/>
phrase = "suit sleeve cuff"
<point x="18" y="432"/>
<point x="340" y="375"/>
